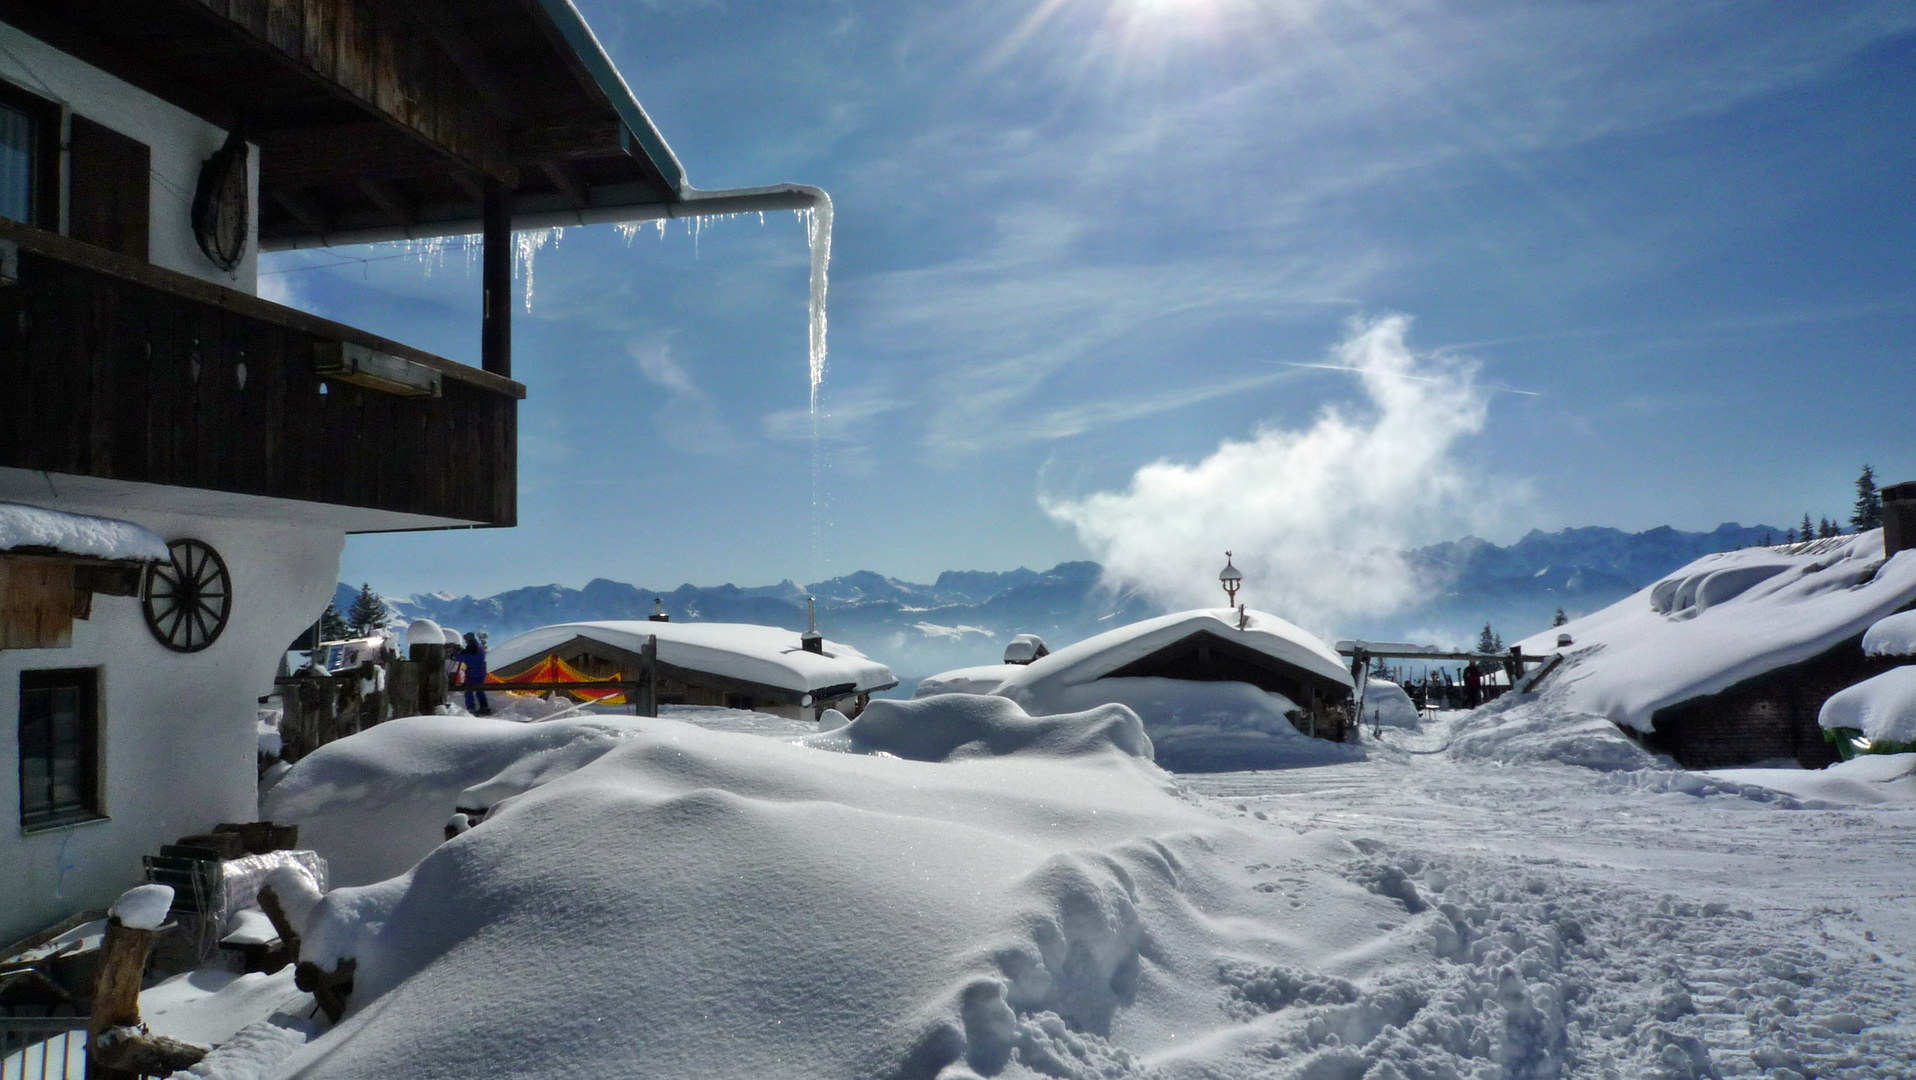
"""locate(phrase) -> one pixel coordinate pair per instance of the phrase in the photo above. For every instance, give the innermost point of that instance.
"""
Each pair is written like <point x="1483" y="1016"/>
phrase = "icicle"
<point x="818" y="234"/>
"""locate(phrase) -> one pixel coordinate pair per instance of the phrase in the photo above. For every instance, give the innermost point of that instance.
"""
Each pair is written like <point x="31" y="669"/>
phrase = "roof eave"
<point x="639" y="130"/>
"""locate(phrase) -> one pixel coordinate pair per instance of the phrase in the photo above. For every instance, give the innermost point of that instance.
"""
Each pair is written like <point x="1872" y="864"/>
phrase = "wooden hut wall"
<point x="1767" y="718"/>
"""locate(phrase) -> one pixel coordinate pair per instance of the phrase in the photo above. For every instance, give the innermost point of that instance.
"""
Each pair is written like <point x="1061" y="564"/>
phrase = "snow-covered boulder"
<point x="1894" y="636"/>
<point x="1386" y="704"/>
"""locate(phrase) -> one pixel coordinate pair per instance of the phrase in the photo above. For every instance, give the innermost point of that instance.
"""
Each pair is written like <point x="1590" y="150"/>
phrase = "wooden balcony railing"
<point x="116" y="369"/>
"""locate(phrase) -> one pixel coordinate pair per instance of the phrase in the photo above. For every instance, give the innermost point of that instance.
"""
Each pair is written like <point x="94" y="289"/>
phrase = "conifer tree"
<point x="1869" y="502"/>
<point x="332" y="626"/>
<point x="1560" y="619"/>
<point x="1809" y="531"/>
<point x="368" y="612"/>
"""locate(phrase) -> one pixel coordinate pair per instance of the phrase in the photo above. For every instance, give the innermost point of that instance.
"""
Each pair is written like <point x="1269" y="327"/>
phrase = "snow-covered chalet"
<point x="181" y="460"/>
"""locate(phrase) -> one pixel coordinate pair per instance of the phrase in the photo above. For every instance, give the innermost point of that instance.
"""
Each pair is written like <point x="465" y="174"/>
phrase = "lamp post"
<point x="1231" y="579"/>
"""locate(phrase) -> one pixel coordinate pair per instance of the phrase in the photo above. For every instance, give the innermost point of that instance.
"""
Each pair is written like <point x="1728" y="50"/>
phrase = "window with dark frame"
<point x="59" y="747"/>
<point x="29" y="158"/>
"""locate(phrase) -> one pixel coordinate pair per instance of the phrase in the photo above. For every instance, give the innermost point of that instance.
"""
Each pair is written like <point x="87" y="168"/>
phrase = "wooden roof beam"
<point x="571" y="188"/>
<point x="386" y="195"/>
<point x="458" y="47"/>
<point x="304" y="208"/>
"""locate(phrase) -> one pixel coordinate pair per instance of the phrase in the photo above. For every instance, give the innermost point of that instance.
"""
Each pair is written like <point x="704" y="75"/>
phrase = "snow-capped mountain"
<point x="966" y="616"/>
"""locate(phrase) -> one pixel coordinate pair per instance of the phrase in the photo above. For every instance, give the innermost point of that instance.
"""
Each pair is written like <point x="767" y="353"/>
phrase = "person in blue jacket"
<point x="472" y="660"/>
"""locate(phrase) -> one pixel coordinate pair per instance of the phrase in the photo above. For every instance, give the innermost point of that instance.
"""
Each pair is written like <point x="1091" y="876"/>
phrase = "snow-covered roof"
<point x="23" y="526"/>
<point x="1723" y="619"/>
<point x="1894" y="636"/>
<point x="766" y="655"/>
<point x="1882" y="708"/>
<point x="1096" y="657"/>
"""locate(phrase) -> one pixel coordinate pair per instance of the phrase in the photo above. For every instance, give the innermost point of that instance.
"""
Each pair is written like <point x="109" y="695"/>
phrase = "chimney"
<point x="811" y="640"/>
<point x="658" y="611"/>
<point x="1899" y="517"/>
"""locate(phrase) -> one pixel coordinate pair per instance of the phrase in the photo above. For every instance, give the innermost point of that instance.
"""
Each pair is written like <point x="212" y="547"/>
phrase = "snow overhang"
<point x="36" y="530"/>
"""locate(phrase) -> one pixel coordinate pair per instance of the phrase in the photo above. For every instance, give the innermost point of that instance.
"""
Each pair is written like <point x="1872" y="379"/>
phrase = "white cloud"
<point x="654" y="357"/>
<point x="1315" y="517"/>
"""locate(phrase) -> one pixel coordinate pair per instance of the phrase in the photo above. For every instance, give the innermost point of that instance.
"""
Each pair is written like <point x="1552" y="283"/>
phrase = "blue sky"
<point x="1636" y="264"/>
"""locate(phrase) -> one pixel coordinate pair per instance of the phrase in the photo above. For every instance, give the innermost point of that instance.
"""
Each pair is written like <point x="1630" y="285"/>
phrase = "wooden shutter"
<point x="110" y="188"/>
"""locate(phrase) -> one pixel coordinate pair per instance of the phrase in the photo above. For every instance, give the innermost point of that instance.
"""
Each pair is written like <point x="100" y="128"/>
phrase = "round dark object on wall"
<point x="220" y="217"/>
<point x="188" y="601"/>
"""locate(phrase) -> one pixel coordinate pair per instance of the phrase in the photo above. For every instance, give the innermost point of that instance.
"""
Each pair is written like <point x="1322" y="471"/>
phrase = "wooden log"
<point x="329" y="988"/>
<point x="118" y="1046"/>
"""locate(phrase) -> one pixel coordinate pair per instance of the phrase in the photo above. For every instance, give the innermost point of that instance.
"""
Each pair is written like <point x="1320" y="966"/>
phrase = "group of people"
<point x="1437" y="690"/>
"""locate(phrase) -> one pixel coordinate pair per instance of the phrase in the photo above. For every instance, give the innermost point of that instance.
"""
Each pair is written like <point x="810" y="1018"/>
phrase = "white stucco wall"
<point x="180" y="142"/>
<point x="178" y="730"/>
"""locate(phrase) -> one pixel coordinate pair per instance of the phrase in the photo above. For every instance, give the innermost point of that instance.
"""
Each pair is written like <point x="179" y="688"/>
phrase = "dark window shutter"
<point x="110" y="189"/>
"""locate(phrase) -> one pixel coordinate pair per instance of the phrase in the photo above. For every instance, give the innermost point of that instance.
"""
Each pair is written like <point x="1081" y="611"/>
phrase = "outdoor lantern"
<point x="1230" y="579"/>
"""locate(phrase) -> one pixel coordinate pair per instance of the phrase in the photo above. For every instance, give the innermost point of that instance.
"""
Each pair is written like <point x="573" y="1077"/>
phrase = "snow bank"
<point x="376" y="803"/>
<point x="1722" y="619"/>
<point x="1883" y="708"/>
<point x="1194" y="726"/>
<point x="1868" y="780"/>
<point x="1894" y="636"/>
<point x="23" y="526"/>
<point x="766" y="655"/>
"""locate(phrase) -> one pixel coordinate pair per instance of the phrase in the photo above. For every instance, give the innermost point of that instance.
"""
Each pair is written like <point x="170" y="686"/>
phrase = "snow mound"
<point x="1387" y="705"/>
<point x="700" y="903"/>
<point x="1894" y="636"/>
<point x="960" y="726"/>
<point x="1883" y="708"/>
<point x="376" y="803"/>
<point x="1521" y="729"/>
<point x="23" y="526"/>
<point x="1723" y="619"/>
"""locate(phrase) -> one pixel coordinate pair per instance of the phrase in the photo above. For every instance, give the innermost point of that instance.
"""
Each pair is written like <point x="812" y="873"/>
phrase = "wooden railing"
<point x="116" y="369"/>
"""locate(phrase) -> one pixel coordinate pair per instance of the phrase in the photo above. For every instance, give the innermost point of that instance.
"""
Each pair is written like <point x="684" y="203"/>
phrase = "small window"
<point x="59" y="747"/>
<point x="29" y="158"/>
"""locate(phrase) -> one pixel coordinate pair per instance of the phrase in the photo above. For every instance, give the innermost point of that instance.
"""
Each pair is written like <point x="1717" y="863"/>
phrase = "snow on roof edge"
<point x="1099" y="655"/>
<point x="24" y="526"/>
<point x="768" y="655"/>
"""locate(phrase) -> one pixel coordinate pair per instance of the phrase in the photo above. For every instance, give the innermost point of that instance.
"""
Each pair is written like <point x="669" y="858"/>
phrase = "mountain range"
<point x="966" y="616"/>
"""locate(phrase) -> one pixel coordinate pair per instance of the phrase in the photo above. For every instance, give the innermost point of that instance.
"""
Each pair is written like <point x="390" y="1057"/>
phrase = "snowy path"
<point x="1772" y="936"/>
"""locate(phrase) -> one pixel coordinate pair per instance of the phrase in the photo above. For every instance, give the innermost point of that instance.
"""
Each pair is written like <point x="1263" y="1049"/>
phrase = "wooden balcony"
<point x="115" y="369"/>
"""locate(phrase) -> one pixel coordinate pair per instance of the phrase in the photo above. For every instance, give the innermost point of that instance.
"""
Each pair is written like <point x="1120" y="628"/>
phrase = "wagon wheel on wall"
<point x="188" y="600"/>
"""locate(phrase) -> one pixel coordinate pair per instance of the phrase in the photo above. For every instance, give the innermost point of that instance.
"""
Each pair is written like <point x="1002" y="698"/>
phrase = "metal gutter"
<point x="638" y="126"/>
<point x="692" y="203"/>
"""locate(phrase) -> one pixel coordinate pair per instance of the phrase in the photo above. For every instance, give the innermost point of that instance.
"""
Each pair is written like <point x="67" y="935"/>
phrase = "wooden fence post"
<point x="650" y="695"/>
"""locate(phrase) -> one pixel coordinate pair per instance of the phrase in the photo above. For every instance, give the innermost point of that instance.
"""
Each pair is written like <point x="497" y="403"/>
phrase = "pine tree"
<point x="1560" y="619"/>
<point x="1869" y="502"/>
<point x="368" y="612"/>
<point x="1809" y="531"/>
<point x="332" y="626"/>
<point x="1789" y="535"/>
<point x="1768" y="541"/>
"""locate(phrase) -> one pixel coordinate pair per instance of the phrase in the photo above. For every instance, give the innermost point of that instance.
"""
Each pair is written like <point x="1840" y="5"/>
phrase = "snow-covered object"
<point x="241" y="879"/>
<point x="970" y="726"/>
<point x="452" y="637"/>
<point x="297" y="889"/>
<point x="143" y="907"/>
<point x="1025" y="648"/>
<point x="1387" y="705"/>
<point x="766" y="655"/>
<point x="1723" y="619"/>
<point x="1194" y="726"/>
<point x="1894" y="636"/>
<point x="23" y="526"/>
<point x="376" y="803"/>
<point x="424" y="632"/>
<point x="1883" y="708"/>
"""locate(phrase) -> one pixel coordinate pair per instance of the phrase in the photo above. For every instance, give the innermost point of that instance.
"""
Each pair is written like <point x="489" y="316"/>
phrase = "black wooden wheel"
<point x="188" y="600"/>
